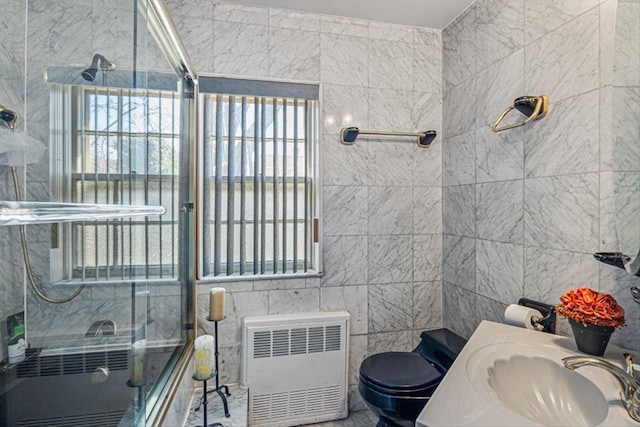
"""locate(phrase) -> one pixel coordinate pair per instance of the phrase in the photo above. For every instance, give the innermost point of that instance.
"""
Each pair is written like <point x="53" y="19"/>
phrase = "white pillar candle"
<point x="216" y="304"/>
<point x="203" y="357"/>
<point x="139" y="357"/>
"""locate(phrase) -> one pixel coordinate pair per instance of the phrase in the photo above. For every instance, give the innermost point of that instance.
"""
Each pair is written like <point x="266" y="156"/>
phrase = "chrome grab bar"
<point x="348" y="135"/>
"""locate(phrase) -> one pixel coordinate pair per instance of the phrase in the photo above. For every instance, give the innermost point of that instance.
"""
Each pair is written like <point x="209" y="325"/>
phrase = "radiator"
<point x="295" y="367"/>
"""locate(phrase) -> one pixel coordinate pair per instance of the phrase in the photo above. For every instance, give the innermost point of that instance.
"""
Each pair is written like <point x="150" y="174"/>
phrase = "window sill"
<point x="252" y="278"/>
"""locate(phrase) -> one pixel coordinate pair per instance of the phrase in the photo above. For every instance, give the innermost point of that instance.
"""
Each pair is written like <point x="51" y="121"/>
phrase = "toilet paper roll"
<point x="521" y="316"/>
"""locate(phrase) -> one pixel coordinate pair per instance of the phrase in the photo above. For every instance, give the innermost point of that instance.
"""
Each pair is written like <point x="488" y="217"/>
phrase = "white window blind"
<point x="260" y="180"/>
<point x="118" y="146"/>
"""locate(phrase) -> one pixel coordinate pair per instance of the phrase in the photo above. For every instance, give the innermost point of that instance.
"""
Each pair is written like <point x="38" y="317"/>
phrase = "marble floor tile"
<point x="238" y="404"/>
<point x="364" y="418"/>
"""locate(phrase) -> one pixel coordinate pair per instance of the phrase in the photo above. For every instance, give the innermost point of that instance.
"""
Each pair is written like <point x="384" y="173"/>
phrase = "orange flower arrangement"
<point x="584" y="305"/>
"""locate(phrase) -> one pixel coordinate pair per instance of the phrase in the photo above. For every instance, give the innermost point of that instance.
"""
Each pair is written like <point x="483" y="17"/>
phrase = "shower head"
<point x="8" y="118"/>
<point x="90" y="74"/>
<point x="98" y="61"/>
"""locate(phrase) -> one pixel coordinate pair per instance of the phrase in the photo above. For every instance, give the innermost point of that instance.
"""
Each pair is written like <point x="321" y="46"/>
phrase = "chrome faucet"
<point x="107" y="327"/>
<point x="630" y="385"/>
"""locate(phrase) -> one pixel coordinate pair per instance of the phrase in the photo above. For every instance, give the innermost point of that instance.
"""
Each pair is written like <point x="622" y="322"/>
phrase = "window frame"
<point x="69" y="142"/>
<point x="239" y="87"/>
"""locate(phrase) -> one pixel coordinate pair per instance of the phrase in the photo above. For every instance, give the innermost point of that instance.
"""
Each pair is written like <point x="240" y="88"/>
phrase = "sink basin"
<point x="545" y="392"/>
<point x="530" y="380"/>
<point x="507" y="376"/>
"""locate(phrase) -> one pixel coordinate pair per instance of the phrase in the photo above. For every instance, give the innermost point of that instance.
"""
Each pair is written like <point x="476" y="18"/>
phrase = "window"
<point x="118" y="146"/>
<point x="260" y="178"/>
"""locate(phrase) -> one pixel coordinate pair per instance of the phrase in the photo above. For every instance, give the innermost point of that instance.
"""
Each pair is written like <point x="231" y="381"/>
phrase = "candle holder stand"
<point x="204" y="401"/>
<point x="141" y="399"/>
<point x="222" y="390"/>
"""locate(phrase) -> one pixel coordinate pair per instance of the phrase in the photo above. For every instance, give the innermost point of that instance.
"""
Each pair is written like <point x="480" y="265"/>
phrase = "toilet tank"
<point x="441" y="347"/>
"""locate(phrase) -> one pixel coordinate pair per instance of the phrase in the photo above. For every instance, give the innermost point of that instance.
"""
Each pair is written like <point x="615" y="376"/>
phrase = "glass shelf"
<point x="24" y="213"/>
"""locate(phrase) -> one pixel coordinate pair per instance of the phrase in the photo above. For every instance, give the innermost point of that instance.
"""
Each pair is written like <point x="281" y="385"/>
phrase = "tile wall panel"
<point x="382" y="197"/>
<point x="543" y="193"/>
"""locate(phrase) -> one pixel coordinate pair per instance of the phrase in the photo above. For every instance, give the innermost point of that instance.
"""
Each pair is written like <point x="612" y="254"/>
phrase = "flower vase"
<point x="591" y="339"/>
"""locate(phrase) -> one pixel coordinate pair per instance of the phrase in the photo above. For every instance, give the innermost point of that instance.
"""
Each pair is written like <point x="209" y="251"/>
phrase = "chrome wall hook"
<point x="534" y="107"/>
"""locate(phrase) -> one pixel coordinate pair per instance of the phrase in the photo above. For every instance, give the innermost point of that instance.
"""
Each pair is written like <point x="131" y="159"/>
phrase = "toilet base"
<point x="390" y="418"/>
<point x="393" y="411"/>
<point x="383" y="422"/>
<point x="396" y="386"/>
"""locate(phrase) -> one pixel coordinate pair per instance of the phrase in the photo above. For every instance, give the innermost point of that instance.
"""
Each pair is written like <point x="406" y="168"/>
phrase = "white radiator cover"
<point x="295" y="367"/>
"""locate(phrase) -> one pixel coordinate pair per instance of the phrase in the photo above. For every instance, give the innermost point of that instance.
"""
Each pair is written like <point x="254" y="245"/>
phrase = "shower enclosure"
<point x="96" y="112"/>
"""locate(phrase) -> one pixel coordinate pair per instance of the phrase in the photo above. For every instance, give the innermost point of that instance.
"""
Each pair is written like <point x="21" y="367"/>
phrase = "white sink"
<point x="507" y="376"/>
<point x="543" y="391"/>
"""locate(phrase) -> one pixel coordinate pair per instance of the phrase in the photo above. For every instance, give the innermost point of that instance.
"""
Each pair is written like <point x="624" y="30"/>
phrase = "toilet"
<point x="397" y="385"/>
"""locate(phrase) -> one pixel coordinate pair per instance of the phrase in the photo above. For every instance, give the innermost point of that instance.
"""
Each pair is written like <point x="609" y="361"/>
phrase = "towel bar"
<point x="534" y="107"/>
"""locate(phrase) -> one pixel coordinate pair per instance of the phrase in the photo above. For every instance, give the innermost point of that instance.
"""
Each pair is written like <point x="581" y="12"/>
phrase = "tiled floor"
<point x="356" y="419"/>
<point x="238" y="410"/>
<point x="215" y="414"/>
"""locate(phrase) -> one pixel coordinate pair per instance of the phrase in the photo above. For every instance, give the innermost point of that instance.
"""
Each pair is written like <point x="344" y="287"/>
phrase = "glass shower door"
<point x="105" y="302"/>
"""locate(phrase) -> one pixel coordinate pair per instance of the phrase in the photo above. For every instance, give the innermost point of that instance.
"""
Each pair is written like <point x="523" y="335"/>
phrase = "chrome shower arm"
<point x="105" y="64"/>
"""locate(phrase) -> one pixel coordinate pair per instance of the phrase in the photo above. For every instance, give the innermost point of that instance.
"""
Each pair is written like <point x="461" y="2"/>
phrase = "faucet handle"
<point x="632" y="404"/>
<point x="629" y="362"/>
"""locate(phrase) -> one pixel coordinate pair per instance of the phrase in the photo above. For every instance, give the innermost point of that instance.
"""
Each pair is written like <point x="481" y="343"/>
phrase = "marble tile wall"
<point x="515" y="214"/>
<point x="382" y="199"/>
<point x="523" y="210"/>
<point x="11" y="97"/>
<point x="64" y="33"/>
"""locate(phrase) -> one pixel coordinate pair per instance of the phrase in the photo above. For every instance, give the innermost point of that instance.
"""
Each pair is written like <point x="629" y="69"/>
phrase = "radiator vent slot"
<point x="286" y="342"/>
<point x="118" y="360"/>
<point x="69" y="364"/>
<point x="262" y="344"/>
<point x="298" y="341"/>
<point x="103" y="419"/>
<point x="280" y="343"/>
<point x="316" y="340"/>
<point x="72" y="364"/>
<point x="299" y="404"/>
<point x="50" y="366"/>
<point x="310" y="351"/>
<point x="332" y="338"/>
